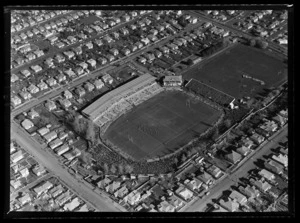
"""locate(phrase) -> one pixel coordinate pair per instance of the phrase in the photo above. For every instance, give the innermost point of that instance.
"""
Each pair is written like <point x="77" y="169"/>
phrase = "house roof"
<point x="173" y="78"/>
<point x="230" y="205"/>
<point x="234" y="156"/>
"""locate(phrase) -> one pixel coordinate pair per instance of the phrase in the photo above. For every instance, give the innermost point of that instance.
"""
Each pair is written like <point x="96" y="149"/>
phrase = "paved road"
<point x="52" y="164"/>
<point x="232" y="179"/>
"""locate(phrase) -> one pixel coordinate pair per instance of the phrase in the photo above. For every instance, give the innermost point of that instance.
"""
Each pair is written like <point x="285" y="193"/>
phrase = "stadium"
<point x="144" y="121"/>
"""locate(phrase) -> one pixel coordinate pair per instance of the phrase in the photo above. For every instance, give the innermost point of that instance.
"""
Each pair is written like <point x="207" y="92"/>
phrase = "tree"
<point x="121" y="168"/>
<point x="215" y="134"/>
<point x="113" y="168"/>
<point x="183" y="158"/>
<point x="90" y="132"/>
<point x="128" y="168"/>
<point x="105" y="168"/>
<point x="227" y="123"/>
<point x="252" y="42"/>
<point x="77" y="124"/>
<point x="261" y="44"/>
<point x="176" y="161"/>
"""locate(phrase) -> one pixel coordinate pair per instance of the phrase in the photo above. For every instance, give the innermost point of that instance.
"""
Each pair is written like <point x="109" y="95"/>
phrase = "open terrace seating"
<point x="209" y="92"/>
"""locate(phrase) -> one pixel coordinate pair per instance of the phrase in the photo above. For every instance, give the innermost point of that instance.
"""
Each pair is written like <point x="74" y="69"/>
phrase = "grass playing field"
<point x="161" y="125"/>
<point x="225" y="71"/>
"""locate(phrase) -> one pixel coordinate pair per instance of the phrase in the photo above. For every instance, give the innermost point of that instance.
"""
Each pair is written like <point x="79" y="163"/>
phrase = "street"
<point x="232" y="179"/>
<point x="52" y="164"/>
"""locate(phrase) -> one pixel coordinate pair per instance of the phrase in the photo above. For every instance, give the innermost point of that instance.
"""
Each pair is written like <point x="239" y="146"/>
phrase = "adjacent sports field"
<point x="161" y="125"/>
<point x="225" y="71"/>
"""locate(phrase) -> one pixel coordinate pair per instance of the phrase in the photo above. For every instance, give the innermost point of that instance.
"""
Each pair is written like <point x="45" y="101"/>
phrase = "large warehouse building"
<point x="108" y="101"/>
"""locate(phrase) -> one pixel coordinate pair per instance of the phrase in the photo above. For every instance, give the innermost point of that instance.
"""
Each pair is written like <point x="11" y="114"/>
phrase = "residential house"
<point x="89" y="45"/>
<point x="165" y="206"/>
<point x="102" y="60"/>
<point x="280" y="120"/>
<point x="60" y="45"/>
<point x="111" y="188"/>
<point x="27" y="124"/>
<point x="120" y="193"/>
<point x="39" y="170"/>
<point x="98" y="84"/>
<point x="60" y="58"/>
<point x="240" y="198"/>
<point x="98" y="42"/>
<point x="250" y="191"/>
<point x="79" y="91"/>
<point x="132" y="198"/>
<point x="157" y="53"/>
<point x="52" y="39"/>
<point x="51" y="81"/>
<point x="24" y="172"/>
<point x="50" y="136"/>
<point x="142" y="60"/>
<point x="214" y="171"/>
<point x="108" y="39"/>
<point x="284" y="113"/>
<point x="16" y="100"/>
<point x="77" y="50"/>
<point x="55" y="143"/>
<point x="173" y="81"/>
<point x="150" y="57"/>
<point x="230" y="205"/>
<point x="274" y="166"/>
<point x="78" y="70"/>
<point x="139" y="45"/>
<point x="194" y="184"/>
<point x="31" y="56"/>
<point x="60" y="77"/>
<point x="25" y="95"/>
<point x="261" y="184"/>
<point x="282" y="159"/>
<point x="65" y="103"/>
<point x="42" y="131"/>
<point x="63" y="198"/>
<point x="104" y="182"/>
<point x="153" y="38"/>
<point x="205" y="178"/>
<point x="88" y="86"/>
<point x="266" y="174"/>
<point x="125" y="51"/>
<point x="69" y="54"/>
<point x="32" y="114"/>
<point x="92" y="63"/>
<point x="14" y="78"/>
<point x="71" y="39"/>
<point x="36" y="68"/>
<point x="50" y="105"/>
<point x="244" y="151"/>
<point x="39" y="53"/>
<point x="258" y="139"/>
<point x="176" y="201"/>
<point x="233" y="157"/>
<point x="62" y="135"/>
<point x="43" y="188"/>
<point x="17" y="156"/>
<point x="246" y="142"/>
<point x="49" y="62"/>
<point x="145" y="40"/>
<point x="83" y="65"/>
<point x="15" y="184"/>
<point x="114" y="51"/>
<point x="67" y="94"/>
<point x="164" y="49"/>
<point x="115" y="35"/>
<point x="72" y="205"/>
<point x="185" y="193"/>
<point x="107" y="79"/>
<point x="25" y="199"/>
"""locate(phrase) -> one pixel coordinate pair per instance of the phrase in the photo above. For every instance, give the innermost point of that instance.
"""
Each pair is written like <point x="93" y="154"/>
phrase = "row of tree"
<point x="259" y="43"/>
<point x="214" y="48"/>
<point x="117" y="168"/>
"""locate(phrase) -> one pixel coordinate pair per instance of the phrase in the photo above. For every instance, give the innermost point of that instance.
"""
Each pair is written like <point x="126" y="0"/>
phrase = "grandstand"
<point x="120" y="100"/>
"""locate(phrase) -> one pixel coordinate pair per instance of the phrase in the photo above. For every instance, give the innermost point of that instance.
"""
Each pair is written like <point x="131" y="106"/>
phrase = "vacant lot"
<point x="161" y="125"/>
<point x="225" y="71"/>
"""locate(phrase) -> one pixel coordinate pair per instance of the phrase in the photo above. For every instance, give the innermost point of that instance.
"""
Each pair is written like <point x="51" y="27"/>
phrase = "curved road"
<point x="52" y="164"/>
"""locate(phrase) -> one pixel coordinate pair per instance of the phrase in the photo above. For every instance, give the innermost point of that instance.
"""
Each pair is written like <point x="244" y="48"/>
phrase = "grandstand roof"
<point x="93" y="110"/>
